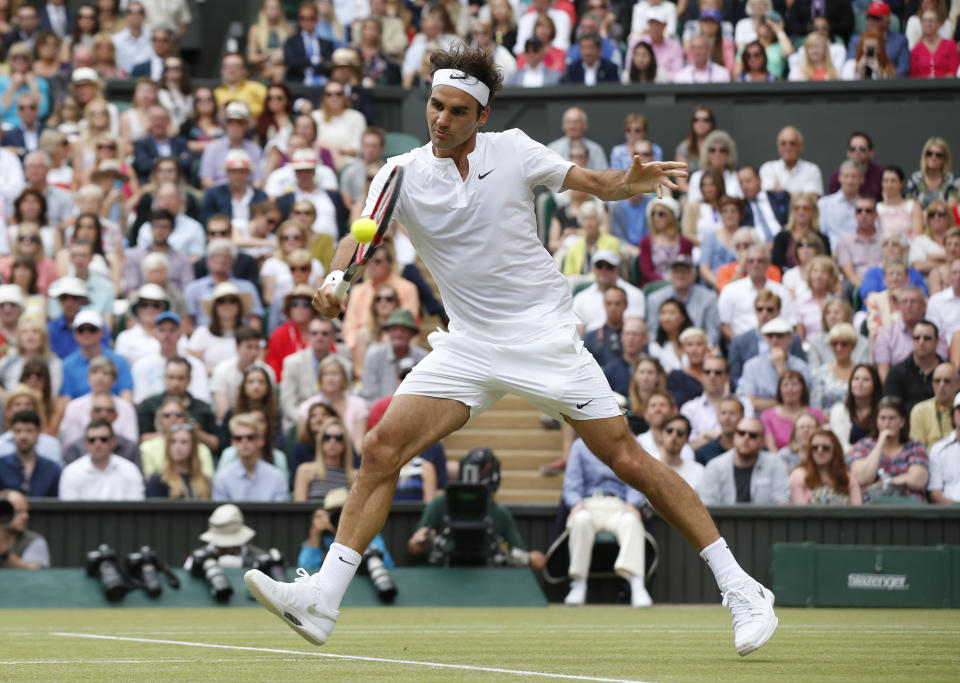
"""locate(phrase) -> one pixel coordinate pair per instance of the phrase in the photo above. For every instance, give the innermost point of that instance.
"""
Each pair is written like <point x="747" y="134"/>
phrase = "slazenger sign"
<point x="879" y="582"/>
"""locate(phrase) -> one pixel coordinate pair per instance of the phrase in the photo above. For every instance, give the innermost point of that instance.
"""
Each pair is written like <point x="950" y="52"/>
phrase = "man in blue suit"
<point x="24" y="138"/>
<point x="591" y="68"/>
<point x="898" y="51"/>
<point x="55" y="18"/>
<point x="163" y="42"/>
<point x="158" y="144"/>
<point x="766" y="211"/>
<point x="306" y="55"/>
<point x="219" y="199"/>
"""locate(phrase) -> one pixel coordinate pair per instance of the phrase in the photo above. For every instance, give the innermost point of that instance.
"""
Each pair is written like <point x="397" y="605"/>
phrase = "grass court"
<point x="606" y="643"/>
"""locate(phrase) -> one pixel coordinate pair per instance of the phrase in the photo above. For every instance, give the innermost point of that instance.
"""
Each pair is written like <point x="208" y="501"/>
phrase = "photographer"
<point x="323" y="528"/>
<point x="229" y="538"/>
<point x="20" y="548"/>
<point x="483" y="468"/>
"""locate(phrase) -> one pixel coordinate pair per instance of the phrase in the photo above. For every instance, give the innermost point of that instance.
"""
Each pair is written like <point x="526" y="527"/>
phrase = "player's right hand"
<point x="327" y="304"/>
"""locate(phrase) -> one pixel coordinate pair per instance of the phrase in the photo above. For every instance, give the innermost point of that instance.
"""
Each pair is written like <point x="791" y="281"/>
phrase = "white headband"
<point x="461" y="81"/>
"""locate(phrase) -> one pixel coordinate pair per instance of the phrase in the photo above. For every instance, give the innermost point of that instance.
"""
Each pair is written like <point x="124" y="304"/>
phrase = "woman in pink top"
<point x="933" y="56"/>
<point x="793" y="398"/>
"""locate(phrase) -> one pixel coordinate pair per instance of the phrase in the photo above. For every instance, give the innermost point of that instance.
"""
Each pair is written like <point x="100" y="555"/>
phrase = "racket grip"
<point x="339" y="284"/>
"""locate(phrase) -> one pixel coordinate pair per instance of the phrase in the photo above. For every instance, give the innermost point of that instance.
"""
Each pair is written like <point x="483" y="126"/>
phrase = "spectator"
<point x="829" y="382"/>
<point x="591" y="68"/>
<point x="642" y="66"/>
<point x="306" y="438"/>
<point x="140" y="340"/>
<point x="673" y="320"/>
<point x="99" y="288"/>
<point x="935" y="180"/>
<point x="797" y="450"/>
<point x="870" y="61"/>
<point x="323" y="532"/>
<point x="837" y="210"/>
<point x="172" y="411"/>
<point x="228" y="374"/>
<point x="892" y="464"/>
<point x="703" y="218"/>
<point x="334" y="387"/>
<point x="265" y="39"/>
<point x="332" y="467"/>
<point x="31" y="341"/>
<point x="893" y="342"/>
<point x="237" y="88"/>
<point x="736" y="300"/>
<point x="103" y="405"/>
<point x="762" y="374"/>
<point x="213" y="162"/>
<point x="157" y="143"/>
<point x="933" y="56"/>
<point x="931" y="420"/>
<point x="249" y="477"/>
<point x="598" y="501"/>
<point x="635" y="129"/>
<point x="618" y="370"/>
<point x="23" y="134"/>
<point x="686" y="383"/>
<point x="746" y="474"/>
<point x="893" y="245"/>
<point x="331" y="212"/>
<point x="944" y="473"/>
<point x="101" y="376"/>
<point x="24" y="470"/>
<point x="804" y="220"/>
<point x="353" y="178"/>
<point x="11" y="309"/>
<point x="88" y="329"/>
<point x="221" y="257"/>
<point x="385" y="302"/>
<point x="766" y="211"/>
<point x="226" y="309"/>
<point x="648" y="379"/>
<point x="913" y="29"/>
<point x="823" y="479"/>
<point x="236" y="197"/>
<point x="578" y="252"/>
<point x="821" y="281"/>
<point x="660" y="406"/>
<point x="26" y="26"/>
<point x="132" y="43"/>
<point x="148" y="371"/>
<point x="291" y="336"/>
<point x="856" y="416"/>
<point x="699" y="301"/>
<point x="790" y="172"/>
<point x="860" y="250"/>
<point x="883" y="306"/>
<point x="36" y="168"/>
<point x="659" y="35"/>
<point x="878" y="20"/>
<point x="704" y="410"/>
<point x="700" y="69"/>
<point x="894" y="213"/>
<point x="754" y="64"/>
<point x="340" y="128"/>
<point x="676" y="431"/>
<point x="751" y="343"/>
<point x="911" y="380"/>
<point x="380" y="270"/>
<point x="381" y="364"/>
<point x="928" y="250"/>
<point x="574" y="124"/>
<point x="256" y="394"/>
<point x="702" y="122"/>
<point x="729" y="413"/>
<point x="943" y="308"/>
<point x="99" y="475"/>
<point x="180" y="475"/>
<point x="163" y="44"/>
<point x="815" y="63"/>
<point x="300" y="369"/>
<point x="718" y="153"/>
<point x="34" y="394"/>
<point x="588" y="303"/>
<point x="605" y="343"/>
<point x="792" y="399"/>
<point x="663" y="242"/>
<point x="21" y="548"/>
<point x="176" y="379"/>
<point x="940" y="276"/>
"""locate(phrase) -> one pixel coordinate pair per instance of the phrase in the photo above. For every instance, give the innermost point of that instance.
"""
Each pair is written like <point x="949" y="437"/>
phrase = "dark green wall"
<point x="172" y="528"/>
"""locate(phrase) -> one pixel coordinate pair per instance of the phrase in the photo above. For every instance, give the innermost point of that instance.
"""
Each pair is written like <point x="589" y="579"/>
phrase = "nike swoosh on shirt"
<point x="484" y="175"/>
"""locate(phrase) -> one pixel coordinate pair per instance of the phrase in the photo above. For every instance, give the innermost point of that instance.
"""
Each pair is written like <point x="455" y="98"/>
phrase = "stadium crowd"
<point x="779" y="333"/>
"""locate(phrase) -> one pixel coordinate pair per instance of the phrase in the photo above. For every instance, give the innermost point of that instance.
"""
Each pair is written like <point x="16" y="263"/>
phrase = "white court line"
<point x="149" y="661"/>
<point x="357" y="658"/>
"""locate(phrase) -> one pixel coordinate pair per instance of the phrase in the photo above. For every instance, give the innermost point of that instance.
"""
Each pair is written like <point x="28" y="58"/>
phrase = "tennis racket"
<point x="382" y="213"/>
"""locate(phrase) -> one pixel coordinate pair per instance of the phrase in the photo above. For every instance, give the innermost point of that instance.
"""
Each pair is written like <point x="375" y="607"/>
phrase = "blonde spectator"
<point x="576" y="256"/>
<point x="815" y="63"/>
<point x="380" y="270"/>
<point x="96" y="122"/>
<point x="265" y="40"/>
<point x="57" y="147"/>
<point x="928" y="250"/>
<point x="821" y="280"/>
<point x="331" y="469"/>
<point x="797" y="450"/>
<point x="935" y="179"/>
<point x="276" y="273"/>
<point x="26" y="242"/>
<point x="385" y="301"/>
<point x="32" y="341"/>
<point x="334" y="387"/>
<point x="939" y="276"/>
<point x="180" y="474"/>
<point x="105" y="57"/>
<point x="804" y="251"/>
<point x="829" y="382"/>
<point x="883" y="308"/>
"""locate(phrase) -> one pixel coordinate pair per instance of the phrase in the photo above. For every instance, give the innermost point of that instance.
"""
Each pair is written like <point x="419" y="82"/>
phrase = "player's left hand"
<point x="654" y="175"/>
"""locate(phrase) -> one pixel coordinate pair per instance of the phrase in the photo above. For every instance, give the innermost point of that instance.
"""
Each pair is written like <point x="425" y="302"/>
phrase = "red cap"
<point x="878" y="9"/>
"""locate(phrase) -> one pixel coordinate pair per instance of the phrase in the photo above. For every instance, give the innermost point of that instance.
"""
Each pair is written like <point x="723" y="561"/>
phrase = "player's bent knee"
<point x="380" y="455"/>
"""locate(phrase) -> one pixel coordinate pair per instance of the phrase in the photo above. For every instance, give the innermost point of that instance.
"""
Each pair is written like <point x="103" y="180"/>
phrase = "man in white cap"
<point x="86" y="85"/>
<point x="467" y="204"/>
<point x="661" y="27"/>
<point x="213" y="170"/>
<point x="88" y="329"/>
<point x="588" y="304"/>
<point x="236" y="195"/>
<point x="100" y="289"/>
<point x="227" y="533"/>
<point x="284" y="179"/>
<point x="761" y="374"/>
<point x="329" y="205"/>
<point x="71" y="294"/>
<point x="136" y="342"/>
<point x="11" y="308"/>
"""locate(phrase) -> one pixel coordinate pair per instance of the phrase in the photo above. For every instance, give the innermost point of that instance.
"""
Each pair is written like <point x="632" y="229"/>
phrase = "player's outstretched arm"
<point x="324" y="300"/>
<point x="640" y="178"/>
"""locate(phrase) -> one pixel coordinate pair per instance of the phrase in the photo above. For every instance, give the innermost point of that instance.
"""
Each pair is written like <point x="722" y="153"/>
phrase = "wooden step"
<point x="512" y="458"/>
<point x="528" y="496"/>
<point x="539" y="439"/>
<point x="529" y="479"/>
<point x="506" y="419"/>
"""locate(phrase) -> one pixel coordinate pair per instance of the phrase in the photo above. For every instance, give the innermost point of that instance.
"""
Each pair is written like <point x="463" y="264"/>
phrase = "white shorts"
<point x="557" y="375"/>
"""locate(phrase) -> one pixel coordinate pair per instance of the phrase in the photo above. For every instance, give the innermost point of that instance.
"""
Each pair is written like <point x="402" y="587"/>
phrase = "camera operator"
<point x="323" y="528"/>
<point x="20" y="548"/>
<point x="484" y="463"/>
<point x="229" y="538"/>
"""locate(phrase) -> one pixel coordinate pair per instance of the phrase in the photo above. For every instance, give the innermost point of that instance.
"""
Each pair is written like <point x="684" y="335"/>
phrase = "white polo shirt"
<point x="120" y="480"/>
<point x="945" y="467"/>
<point x="805" y="176"/>
<point x="588" y="305"/>
<point x="735" y="304"/>
<point x="943" y="310"/>
<point x="479" y="238"/>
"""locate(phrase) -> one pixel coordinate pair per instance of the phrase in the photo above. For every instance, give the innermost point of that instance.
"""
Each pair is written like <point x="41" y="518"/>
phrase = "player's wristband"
<point x="333" y="278"/>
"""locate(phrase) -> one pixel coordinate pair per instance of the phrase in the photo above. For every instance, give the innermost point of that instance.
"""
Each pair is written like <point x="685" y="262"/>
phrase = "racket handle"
<point x="339" y="284"/>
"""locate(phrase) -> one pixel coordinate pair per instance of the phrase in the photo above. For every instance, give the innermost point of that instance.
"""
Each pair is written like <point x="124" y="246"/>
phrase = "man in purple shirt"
<point x="894" y="342"/>
<point x="669" y="52"/>
<point x="860" y="152"/>
<point x="861" y="249"/>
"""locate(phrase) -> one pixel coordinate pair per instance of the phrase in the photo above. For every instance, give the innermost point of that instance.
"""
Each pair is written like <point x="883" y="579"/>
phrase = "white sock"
<point x="722" y="562"/>
<point x="637" y="584"/>
<point x="339" y="566"/>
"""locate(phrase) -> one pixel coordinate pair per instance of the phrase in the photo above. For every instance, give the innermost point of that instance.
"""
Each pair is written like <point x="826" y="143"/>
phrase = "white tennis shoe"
<point x="301" y="605"/>
<point x="751" y="606"/>
<point x="578" y="593"/>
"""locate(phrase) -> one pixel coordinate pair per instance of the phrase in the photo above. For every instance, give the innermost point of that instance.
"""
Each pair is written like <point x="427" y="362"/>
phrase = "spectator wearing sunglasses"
<point x="100" y="474"/>
<point x="249" y="477"/>
<point x="381" y="364"/>
<point x="935" y="179"/>
<point x="746" y="473"/>
<point x="860" y="151"/>
<point x="911" y="380"/>
<point x="331" y="469"/>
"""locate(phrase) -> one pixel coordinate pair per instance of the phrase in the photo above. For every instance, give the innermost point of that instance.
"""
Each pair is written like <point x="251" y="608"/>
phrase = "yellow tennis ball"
<point x="363" y="229"/>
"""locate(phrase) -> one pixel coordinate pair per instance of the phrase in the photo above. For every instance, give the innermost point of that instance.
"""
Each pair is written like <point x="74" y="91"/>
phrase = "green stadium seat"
<point x="399" y="143"/>
<point x="651" y="287"/>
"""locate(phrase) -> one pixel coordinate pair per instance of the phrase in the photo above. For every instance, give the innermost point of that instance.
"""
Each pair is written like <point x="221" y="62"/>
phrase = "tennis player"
<point x="467" y="205"/>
